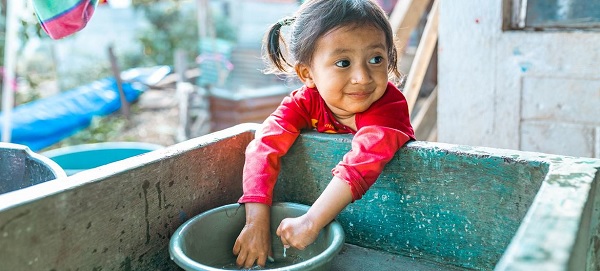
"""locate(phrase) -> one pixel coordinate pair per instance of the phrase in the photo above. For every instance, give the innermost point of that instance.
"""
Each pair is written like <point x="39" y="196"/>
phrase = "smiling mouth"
<point x="359" y="94"/>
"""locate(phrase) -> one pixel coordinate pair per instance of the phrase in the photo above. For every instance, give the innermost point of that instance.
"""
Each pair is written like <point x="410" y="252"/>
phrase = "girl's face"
<point x="349" y="68"/>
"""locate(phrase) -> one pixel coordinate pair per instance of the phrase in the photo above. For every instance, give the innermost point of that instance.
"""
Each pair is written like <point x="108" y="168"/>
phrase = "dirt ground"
<point x="154" y="118"/>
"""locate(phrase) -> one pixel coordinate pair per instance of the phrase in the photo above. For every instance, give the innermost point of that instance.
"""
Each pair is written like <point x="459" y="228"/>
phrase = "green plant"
<point x="86" y="74"/>
<point x="101" y="129"/>
<point x="174" y="25"/>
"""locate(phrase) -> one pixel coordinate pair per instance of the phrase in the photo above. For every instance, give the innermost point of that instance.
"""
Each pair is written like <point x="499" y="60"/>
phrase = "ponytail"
<point x="273" y="48"/>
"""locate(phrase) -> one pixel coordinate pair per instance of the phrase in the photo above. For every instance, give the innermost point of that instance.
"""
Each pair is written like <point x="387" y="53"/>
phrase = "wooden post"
<point x="10" y="53"/>
<point x="424" y="122"/>
<point x="182" y="89"/>
<point x="422" y="58"/>
<point x="404" y="18"/>
<point x="117" y="73"/>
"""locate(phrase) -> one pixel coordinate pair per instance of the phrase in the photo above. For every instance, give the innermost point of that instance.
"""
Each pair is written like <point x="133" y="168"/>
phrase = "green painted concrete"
<point x="453" y="205"/>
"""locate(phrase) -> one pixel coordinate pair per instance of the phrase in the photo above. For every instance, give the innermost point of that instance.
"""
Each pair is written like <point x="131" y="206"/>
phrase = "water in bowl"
<point x="279" y="262"/>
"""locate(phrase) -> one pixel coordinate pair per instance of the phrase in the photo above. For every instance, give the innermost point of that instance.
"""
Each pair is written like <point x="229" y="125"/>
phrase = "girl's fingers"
<point x="249" y="263"/>
<point x="270" y="255"/>
<point x="261" y="261"/>
<point x="285" y="243"/>
<point x="236" y="248"/>
<point x="279" y="230"/>
<point x="241" y="259"/>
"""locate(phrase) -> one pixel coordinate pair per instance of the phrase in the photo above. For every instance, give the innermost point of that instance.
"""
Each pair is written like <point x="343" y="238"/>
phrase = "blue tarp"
<point x="44" y="122"/>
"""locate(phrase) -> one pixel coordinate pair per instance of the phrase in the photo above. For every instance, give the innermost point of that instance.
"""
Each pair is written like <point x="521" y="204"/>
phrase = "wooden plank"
<point x="422" y="57"/>
<point x="426" y="118"/>
<point x="172" y="78"/>
<point x="404" y="18"/>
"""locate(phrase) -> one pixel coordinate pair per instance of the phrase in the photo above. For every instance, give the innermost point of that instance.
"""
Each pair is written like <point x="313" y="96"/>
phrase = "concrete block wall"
<point x="564" y="118"/>
<point x="531" y="91"/>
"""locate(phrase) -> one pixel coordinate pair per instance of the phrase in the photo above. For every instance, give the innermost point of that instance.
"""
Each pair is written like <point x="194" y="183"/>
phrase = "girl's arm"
<point x="261" y="168"/>
<point x="302" y="231"/>
<point x="275" y="137"/>
<point x="255" y="236"/>
<point x="372" y="148"/>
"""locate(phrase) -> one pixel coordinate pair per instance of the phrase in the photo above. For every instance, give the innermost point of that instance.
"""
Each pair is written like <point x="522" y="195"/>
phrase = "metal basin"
<point x="20" y="168"/>
<point x="205" y="242"/>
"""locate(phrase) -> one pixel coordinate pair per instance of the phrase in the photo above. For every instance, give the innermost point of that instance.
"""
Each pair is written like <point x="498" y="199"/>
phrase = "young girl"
<point x="343" y="52"/>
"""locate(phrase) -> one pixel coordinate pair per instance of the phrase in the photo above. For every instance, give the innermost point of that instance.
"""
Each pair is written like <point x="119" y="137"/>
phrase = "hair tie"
<point x="286" y="21"/>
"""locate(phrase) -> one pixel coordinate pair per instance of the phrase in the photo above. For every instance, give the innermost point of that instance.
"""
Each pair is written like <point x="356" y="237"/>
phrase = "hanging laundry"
<point x="63" y="18"/>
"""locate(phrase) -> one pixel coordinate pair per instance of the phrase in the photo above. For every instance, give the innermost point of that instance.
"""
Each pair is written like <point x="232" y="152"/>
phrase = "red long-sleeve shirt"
<point x="381" y="130"/>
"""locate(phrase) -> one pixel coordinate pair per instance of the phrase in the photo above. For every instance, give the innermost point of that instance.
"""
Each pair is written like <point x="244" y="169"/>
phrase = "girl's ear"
<point x="304" y="74"/>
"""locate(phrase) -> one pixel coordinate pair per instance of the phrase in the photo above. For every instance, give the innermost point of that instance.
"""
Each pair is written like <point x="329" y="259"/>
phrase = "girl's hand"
<point x="302" y="231"/>
<point x="253" y="245"/>
<point x="298" y="232"/>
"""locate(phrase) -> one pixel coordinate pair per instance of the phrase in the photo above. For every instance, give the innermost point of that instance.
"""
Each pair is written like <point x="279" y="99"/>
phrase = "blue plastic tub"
<point x="77" y="158"/>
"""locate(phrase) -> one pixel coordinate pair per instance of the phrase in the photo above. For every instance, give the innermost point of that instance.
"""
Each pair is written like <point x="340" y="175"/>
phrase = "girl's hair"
<point x="316" y="18"/>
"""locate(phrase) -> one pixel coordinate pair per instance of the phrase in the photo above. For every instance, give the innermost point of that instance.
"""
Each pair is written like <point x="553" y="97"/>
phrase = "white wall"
<point x="107" y="26"/>
<point x="532" y="91"/>
<point x="253" y="18"/>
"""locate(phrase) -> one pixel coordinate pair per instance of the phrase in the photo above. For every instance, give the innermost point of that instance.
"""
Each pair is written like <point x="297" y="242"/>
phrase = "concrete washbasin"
<point x="435" y="207"/>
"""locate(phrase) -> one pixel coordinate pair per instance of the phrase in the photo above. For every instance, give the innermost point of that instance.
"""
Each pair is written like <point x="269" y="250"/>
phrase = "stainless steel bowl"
<point x="206" y="241"/>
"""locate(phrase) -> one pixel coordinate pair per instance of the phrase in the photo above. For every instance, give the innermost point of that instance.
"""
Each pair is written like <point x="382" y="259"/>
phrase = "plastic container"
<point x="205" y="242"/>
<point x="77" y="158"/>
<point x="20" y="168"/>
